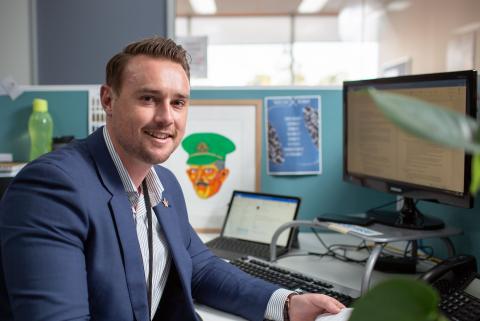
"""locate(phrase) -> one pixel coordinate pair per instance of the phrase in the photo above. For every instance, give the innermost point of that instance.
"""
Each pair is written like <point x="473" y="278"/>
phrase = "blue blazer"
<point x="69" y="249"/>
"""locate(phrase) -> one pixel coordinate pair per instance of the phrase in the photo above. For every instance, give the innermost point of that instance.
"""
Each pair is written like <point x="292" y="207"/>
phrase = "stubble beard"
<point x="154" y="158"/>
<point x="159" y="156"/>
<point x="145" y="153"/>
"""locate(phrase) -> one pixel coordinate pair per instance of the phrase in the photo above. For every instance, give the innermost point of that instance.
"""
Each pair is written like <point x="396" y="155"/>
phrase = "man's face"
<point x="146" y="119"/>
<point x="206" y="179"/>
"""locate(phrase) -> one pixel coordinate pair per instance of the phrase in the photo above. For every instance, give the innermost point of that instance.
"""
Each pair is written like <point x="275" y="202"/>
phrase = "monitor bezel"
<point x="405" y="189"/>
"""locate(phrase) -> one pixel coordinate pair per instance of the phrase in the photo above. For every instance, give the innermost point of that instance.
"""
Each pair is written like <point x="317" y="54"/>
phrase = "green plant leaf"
<point x="398" y="300"/>
<point x="475" y="184"/>
<point x="429" y="121"/>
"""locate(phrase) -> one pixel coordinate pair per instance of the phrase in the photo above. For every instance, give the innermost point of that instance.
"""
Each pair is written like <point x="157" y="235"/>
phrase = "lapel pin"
<point x="165" y="202"/>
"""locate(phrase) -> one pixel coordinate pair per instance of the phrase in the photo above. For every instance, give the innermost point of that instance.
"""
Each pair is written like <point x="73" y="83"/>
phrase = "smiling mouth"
<point x="159" y="135"/>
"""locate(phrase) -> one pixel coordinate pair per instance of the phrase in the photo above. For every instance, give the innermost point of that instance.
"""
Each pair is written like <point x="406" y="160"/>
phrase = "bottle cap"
<point x="40" y="105"/>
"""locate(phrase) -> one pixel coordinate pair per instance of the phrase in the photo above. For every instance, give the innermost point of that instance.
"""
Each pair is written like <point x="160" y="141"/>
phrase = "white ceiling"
<point x="258" y="7"/>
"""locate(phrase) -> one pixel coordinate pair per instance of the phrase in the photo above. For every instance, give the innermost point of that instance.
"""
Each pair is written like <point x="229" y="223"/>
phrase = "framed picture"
<point x="219" y="153"/>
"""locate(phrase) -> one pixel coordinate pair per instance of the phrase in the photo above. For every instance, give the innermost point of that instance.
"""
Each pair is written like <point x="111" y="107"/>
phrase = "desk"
<point x="387" y="234"/>
<point x="328" y="268"/>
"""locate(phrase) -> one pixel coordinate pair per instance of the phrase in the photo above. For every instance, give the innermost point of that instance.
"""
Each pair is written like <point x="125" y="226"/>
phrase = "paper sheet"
<point x="343" y="315"/>
<point x="11" y="87"/>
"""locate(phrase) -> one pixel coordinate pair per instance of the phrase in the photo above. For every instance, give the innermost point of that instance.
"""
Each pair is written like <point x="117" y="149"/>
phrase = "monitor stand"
<point x="408" y="217"/>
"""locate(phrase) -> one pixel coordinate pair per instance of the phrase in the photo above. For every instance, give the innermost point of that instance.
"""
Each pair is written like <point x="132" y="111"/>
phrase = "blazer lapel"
<point x="168" y="218"/>
<point x="122" y="216"/>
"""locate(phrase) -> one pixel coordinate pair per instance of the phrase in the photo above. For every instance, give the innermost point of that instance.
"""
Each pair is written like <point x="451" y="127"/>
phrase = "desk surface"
<point x="344" y="273"/>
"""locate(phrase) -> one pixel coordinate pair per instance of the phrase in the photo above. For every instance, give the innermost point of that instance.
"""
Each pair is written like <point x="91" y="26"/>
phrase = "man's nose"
<point x="163" y="112"/>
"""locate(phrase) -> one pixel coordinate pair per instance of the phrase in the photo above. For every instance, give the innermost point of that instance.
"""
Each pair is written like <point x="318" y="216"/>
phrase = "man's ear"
<point x="106" y="98"/>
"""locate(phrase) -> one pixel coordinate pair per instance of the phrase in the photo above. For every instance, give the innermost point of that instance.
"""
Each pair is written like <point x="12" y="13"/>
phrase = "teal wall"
<point x="325" y="193"/>
<point x="466" y="219"/>
<point x="320" y="193"/>
<point x="68" y="109"/>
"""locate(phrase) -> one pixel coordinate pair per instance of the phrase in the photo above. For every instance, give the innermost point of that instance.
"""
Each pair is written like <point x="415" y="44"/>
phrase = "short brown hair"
<point x="154" y="47"/>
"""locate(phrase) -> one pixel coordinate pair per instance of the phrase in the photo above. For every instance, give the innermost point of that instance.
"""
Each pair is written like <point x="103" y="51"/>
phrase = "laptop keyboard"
<point x="242" y="247"/>
<point x="292" y="280"/>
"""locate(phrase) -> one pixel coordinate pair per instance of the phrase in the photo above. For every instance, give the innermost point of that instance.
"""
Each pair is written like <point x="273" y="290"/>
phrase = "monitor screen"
<point x="380" y="155"/>
<point x="256" y="216"/>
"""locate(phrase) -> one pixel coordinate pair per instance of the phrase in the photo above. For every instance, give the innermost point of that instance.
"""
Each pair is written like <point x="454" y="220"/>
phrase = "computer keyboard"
<point x="294" y="280"/>
<point x="242" y="247"/>
<point x="458" y="306"/>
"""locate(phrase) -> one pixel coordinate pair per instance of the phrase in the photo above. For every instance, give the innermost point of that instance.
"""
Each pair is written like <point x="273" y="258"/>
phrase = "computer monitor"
<point x="381" y="156"/>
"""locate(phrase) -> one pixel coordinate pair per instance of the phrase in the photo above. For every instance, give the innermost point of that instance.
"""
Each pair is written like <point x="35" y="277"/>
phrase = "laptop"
<point x="250" y="222"/>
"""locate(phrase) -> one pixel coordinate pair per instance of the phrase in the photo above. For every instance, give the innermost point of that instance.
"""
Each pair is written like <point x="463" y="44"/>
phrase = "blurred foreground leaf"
<point x="429" y="121"/>
<point x="398" y="300"/>
<point x="475" y="184"/>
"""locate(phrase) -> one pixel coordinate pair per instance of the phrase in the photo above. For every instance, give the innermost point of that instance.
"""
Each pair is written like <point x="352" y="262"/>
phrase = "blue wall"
<point x="320" y="193"/>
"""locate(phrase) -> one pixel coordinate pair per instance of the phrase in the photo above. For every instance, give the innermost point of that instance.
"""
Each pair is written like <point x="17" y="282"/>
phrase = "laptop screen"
<point x="256" y="216"/>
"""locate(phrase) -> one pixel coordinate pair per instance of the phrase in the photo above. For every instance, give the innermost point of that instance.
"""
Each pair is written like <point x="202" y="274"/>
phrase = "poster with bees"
<point x="293" y="127"/>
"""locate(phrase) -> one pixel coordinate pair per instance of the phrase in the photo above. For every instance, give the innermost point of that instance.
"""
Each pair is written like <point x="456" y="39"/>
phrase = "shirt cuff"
<point x="276" y="303"/>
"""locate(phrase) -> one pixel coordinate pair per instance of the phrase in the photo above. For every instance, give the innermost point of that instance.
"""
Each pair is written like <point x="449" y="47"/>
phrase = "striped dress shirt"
<point x="161" y="255"/>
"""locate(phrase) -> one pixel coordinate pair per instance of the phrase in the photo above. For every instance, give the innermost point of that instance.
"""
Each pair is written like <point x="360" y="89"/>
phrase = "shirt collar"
<point x="155" y="187"/>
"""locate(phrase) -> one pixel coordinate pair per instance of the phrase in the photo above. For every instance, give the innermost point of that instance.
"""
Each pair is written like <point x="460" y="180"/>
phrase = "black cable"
<point x="331" y="250"/>
<point x="428" y="250"/>
<point x="319" y="238"/>
<point x="359" y="247"/>
<point x="148" y="207"/>
<point x="405" y="252"/>
<point x="344" y="257"/>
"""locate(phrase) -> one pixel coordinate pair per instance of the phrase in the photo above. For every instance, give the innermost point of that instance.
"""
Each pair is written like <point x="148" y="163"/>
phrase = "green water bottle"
<point x="40" y="129"/>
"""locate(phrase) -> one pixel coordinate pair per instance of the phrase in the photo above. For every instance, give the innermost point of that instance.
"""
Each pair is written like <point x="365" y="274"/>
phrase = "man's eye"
<point x="179" y="103"/>
<point x="148" y="99"/>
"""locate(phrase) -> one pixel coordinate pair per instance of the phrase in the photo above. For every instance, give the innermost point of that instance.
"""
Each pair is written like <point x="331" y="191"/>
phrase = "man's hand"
<point x="307" y="307"/>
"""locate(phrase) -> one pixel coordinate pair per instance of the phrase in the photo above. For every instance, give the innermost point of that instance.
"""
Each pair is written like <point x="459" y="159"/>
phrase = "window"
<point x="278" y="51"/>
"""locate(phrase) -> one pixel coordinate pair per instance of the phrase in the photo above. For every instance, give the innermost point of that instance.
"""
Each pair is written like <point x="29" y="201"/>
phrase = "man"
<point x="206" y="161"/>
<point x="77" y="234"/>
